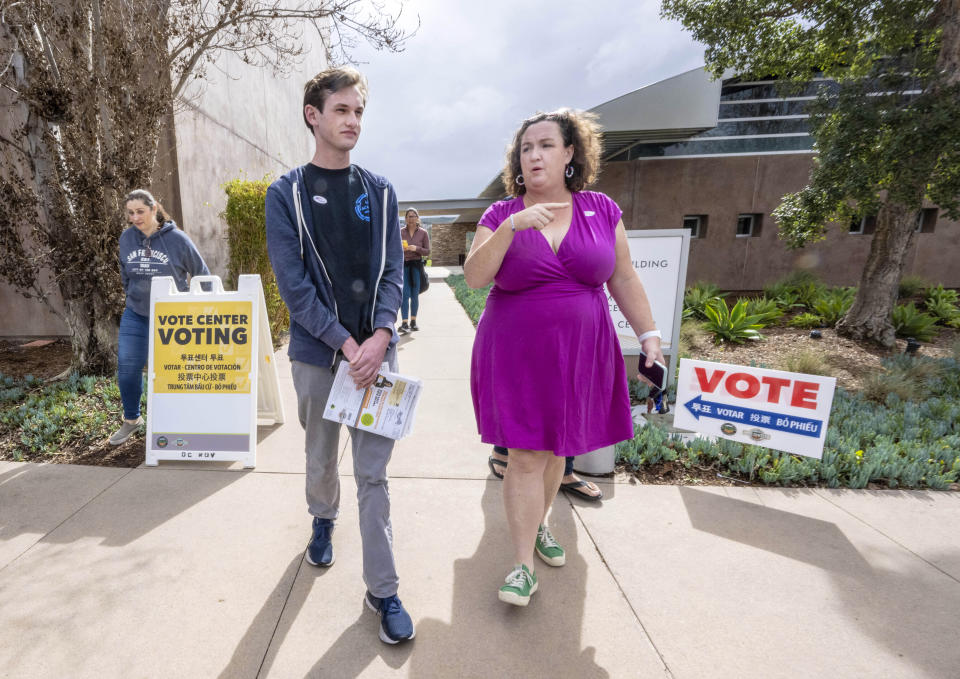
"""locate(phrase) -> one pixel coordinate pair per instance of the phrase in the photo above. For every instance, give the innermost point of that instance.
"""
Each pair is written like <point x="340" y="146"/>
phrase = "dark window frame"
<point x="927" y="219"/>
<point x="701" y="230"/>
<point x="756" y="225"/>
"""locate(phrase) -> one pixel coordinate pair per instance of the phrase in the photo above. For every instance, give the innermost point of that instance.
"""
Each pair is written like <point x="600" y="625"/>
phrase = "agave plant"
<point x="909" y="322"/>
<point x="767" y="309"/>
<point x="942" y="305"/>
<point x="731" y="325"/>
<point x="805" y="320"/>
<point x="940" y="293"/>
<point x="832" y="304"/>
<point x="696" y="298"/>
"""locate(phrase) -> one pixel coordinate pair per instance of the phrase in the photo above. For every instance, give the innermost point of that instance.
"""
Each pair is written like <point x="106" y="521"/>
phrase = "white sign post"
<point x="771" y="408"/>
<point x="659" y="257"/>
<point x="210" y="372"/>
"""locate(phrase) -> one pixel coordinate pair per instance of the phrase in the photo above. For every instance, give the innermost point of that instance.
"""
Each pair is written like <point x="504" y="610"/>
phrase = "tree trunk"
<point x="948" y="61"/>
<point x="869" y="318"/>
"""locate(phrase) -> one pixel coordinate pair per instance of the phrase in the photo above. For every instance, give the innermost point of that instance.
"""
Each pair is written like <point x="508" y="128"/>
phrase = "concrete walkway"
<point x="198" y="571"/>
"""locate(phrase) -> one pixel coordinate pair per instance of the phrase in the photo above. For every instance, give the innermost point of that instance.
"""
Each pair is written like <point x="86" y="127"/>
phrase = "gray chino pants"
<point x="371" y="453"/>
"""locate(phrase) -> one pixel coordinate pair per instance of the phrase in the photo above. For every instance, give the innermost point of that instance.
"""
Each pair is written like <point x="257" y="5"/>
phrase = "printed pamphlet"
<point x="387" y="407"/>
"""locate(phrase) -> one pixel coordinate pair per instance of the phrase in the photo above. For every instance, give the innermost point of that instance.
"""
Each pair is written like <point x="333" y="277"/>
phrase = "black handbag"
<point x="424" y="279"/>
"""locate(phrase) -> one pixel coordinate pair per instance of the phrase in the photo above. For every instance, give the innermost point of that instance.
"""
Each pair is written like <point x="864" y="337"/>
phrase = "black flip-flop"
<point x="574" y="487"/>
<point x="493" y="463"/>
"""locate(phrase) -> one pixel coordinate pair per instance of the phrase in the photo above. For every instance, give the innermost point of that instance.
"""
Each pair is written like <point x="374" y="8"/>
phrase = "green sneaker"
<point x="518" y="587"/>
<point x="547" y="548"/>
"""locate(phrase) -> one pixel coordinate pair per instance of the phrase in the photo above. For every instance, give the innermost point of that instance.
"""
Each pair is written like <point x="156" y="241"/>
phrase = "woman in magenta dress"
<point x="547" y="376"/>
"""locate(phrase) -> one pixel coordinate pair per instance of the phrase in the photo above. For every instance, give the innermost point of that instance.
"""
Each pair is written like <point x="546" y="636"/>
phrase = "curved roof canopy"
<point x="668" y="110"/>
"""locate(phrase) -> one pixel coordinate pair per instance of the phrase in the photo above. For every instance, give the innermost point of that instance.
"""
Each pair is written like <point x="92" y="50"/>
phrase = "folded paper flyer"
<point x="387" y="408"/>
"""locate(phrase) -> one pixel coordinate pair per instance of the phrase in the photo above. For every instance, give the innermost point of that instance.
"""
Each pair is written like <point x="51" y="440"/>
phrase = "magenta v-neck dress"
<point x="546" y="371"/>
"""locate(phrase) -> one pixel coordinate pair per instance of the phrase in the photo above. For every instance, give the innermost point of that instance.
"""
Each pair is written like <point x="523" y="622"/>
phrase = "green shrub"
<point x="809" y="293"/>
<point x="788" y="300"/>
<point x="832" y="304"/>
<point x="942" y="304"/>
<point x="910" y="286"/>
<point x="909" y="322"/>
<point x="798" y="287"/>
<point x="805" y="320"/>
<point x="766" y="309"/>
<point x="943" y="311"/>
<point x="696" y="298"/>
<point x="806" y="361"/>
<point x="731" y="325"/>
<point x="939" y="293"/>
<point x="791" y="281"/>
<point x="247" y="243"/>
<point x="472" y="301"/>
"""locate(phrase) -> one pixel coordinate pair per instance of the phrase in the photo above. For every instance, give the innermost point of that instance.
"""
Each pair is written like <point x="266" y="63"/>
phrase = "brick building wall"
<point x="449" y="241"/>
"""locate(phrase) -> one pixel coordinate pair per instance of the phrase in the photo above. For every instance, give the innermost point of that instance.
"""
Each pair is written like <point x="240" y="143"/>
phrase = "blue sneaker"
<point x="320" y="549"/>
<point x="395" y="622"/>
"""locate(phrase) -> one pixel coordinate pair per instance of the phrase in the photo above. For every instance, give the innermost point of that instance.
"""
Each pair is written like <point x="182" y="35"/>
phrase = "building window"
<point x="926" y="220"/>
<point x="748" y="225"/>
<point x="864" y="226"/>
<point x="697" y="224"/>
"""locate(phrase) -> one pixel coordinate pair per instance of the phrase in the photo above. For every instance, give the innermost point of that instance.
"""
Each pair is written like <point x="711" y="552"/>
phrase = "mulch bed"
<point x="43" y="360"/>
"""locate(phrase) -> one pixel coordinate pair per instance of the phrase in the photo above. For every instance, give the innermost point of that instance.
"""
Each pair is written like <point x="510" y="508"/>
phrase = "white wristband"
<point x="649" y="333"/>
<point x="513" y="227"/>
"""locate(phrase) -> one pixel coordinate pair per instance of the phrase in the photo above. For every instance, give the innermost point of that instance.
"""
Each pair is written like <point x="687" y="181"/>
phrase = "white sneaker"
<point x="125" y="431"/>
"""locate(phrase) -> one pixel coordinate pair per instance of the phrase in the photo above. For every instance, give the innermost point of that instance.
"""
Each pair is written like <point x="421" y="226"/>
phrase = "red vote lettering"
<point x="804" y="395"/>
<point x="775" y="384"/>
<point x="753" y="385"/>
<point x="708" y="384"/>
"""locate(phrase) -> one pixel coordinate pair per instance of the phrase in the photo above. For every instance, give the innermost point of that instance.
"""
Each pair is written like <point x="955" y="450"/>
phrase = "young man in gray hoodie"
<point x="333" y="236"/>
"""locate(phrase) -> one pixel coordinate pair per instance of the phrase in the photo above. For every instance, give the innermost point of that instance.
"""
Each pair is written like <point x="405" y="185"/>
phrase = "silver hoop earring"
<point x="519" y="179"/>
<point x="568" y="173"/>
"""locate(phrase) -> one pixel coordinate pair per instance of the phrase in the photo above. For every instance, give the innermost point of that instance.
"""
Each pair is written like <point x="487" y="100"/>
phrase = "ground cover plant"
<point x="899" y="427"/>
<point x="896" y="442"/>
<point x="63" y="421"/>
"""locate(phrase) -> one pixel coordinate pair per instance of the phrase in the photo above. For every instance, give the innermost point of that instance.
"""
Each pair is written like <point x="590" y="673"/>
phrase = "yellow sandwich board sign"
<point x="211" y="371"/>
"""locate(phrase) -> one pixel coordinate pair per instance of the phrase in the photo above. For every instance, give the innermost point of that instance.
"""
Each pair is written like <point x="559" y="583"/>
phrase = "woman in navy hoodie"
<point x="152" y="246"/>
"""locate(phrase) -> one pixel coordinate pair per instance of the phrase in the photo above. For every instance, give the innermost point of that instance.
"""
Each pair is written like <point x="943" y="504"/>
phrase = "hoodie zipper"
<point x="383" y="259"/>
<point x="301" y="227"/>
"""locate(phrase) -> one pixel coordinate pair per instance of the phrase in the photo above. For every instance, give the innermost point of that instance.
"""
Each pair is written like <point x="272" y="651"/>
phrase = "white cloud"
<point x="441" y="112"/>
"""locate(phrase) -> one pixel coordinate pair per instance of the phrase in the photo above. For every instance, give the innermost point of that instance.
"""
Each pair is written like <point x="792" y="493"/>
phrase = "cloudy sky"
<point x="441" y="112"/>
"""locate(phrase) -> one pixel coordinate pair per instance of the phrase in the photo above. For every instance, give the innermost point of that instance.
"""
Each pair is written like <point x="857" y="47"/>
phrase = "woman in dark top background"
<point x="416" y="245"/>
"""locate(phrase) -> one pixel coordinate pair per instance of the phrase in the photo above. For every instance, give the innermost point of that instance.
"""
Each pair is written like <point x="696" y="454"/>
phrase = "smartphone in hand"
<point x="657" y="373"/>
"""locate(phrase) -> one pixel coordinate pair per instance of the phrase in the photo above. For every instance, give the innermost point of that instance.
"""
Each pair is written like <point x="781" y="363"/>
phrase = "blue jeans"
<point x="132" y="346"/>
<point x="411" y="291"/>
<point x="567" y="468"/>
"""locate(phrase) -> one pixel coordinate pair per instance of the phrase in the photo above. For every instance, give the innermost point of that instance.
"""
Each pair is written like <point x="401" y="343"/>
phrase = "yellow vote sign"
<point x="203" y="347"/>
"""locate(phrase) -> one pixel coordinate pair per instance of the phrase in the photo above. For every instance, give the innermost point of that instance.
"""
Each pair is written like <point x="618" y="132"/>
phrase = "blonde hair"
<point x="579" y="129"/>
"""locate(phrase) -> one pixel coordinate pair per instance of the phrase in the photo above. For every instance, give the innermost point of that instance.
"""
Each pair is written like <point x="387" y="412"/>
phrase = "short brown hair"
<point x="579" y="129"/>
<point x="325" y="83"/>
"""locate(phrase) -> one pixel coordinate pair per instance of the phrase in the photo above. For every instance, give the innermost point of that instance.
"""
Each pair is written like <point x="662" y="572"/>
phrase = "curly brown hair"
<point x="579" y="129"/>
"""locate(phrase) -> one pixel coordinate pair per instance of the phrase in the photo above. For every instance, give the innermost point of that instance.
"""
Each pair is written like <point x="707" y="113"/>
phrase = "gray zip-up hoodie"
<point x="168" y="251"/>
<point x="315" y="330"/>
